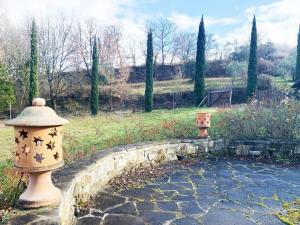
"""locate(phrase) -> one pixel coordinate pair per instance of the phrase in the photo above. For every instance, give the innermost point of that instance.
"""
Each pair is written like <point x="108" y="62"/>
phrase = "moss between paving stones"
<point x="290" y="213"/>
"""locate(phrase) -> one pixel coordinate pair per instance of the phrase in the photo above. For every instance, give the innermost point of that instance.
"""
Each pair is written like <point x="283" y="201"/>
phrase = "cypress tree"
<point x="199" y="85"/>
<point x="33" y="77"/>
<point x="94" y="104"/>
<point x="297" y="75"/>
<point x="149" y="74"/>
<point x="252" y="66"/>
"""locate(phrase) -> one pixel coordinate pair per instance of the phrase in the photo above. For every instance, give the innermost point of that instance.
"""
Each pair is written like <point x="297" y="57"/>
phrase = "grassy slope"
<point x="183" y="85"/>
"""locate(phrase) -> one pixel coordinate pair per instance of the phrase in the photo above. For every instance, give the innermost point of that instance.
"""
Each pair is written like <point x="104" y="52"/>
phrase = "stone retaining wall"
<point x="84" y="178"/>
<point x="268" y="148"/>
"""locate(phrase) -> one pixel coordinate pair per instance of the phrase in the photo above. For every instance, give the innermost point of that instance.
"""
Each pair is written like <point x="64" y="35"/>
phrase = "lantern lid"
<point x="37" y="115"/>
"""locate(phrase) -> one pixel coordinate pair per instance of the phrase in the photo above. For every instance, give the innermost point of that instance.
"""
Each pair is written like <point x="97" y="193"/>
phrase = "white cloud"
<point x="277" y="22"/>
<point x="210" y="21"/>
<point x="104" y="11"/>
<point x="185" y="22"/>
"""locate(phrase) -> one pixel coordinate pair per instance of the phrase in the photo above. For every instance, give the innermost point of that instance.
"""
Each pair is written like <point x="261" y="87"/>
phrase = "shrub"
<point x="279" y="122"/>
<point x="237" y="69"/>
<point x="264" y="82"/>
<point x="12" y="185"/>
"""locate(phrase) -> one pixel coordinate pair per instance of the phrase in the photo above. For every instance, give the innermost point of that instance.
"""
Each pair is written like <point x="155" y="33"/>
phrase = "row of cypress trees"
<point x="199" y="79"/>
<point x="199" y="82"/>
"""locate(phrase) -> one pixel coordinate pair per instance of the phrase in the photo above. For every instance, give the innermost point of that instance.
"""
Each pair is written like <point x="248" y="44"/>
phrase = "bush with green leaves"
<point x="286" y="67"/>
<point x="237" y="69"/>
<point x="264" y="82"/>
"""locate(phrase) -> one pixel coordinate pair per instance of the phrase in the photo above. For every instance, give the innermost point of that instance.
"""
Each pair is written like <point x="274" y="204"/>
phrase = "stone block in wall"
<point x="160" y="157"/>
<point x="255" y="153"/>
<point x="190" y="150"/>
<point x="218" y="146"/>
<point x="242" y="149"/>
<point x="182" y="149"/>
<point x="171" y="154"/>
<point x="211" y="143"/>
<point x="297" y="149"/>
<point x="203" y="147"/>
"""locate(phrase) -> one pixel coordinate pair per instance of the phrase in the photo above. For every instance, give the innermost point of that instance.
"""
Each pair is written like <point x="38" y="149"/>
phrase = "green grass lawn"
<point x="7" y="143"/>
<point x="88" y="133"/>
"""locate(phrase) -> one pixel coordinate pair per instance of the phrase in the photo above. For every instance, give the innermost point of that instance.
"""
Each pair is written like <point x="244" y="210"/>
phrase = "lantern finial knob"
<point x="38" y="102"/>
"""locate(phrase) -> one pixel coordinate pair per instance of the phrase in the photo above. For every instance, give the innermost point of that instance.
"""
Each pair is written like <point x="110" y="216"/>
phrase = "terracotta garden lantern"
<point x="38" y="140"/>
<point x="203" y="122"/>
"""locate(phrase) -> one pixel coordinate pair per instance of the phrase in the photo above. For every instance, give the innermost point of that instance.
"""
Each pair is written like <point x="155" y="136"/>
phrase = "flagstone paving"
<point x="216" y="192"/>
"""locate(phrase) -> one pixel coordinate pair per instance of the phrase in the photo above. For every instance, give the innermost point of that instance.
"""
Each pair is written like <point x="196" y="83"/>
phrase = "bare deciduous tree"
<point x="185" y="46"/>
<point x="82" y="37"/>
<point x="164" y="32"/>
<point x="15" y="53"/>
<point x="56" y="51"/>
<point x="211" y="45"/>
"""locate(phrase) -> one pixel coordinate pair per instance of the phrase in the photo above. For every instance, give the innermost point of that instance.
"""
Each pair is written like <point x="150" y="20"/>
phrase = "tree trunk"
<point x="53" y="103"/>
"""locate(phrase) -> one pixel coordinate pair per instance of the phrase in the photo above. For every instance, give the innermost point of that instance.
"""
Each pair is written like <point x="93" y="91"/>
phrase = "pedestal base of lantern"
<point x="40" y="191"/>
<point x="203" y="132"/>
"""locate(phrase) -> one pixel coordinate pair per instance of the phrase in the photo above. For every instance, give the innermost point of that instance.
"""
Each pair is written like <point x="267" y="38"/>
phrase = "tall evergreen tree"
<point x="33" y="77"/>
<point x="252" y="66"/>
<point x="199" y="85"/>
<point x="94" y="104"/>
<point x="149" y="74"/>
<point x="297" y="75"/>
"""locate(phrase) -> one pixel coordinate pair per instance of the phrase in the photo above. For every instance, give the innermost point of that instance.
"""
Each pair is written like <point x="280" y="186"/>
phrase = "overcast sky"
<point x="277" y="20"/>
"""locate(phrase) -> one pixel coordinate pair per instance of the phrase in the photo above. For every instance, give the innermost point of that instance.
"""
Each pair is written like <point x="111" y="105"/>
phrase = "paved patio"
<point x="212" y="192"/>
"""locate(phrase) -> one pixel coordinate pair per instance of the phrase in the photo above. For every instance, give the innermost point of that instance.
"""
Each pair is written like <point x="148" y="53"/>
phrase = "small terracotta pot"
<point x="203" y="122"/>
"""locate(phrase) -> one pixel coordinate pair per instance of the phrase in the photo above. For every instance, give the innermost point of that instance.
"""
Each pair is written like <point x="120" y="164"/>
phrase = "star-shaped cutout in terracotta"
<point x="17" y="140"/>
<point x="39" y="157"/>
<point x="23" y="134"/>
<point x="51" y="145"/>
<point x="17" y="156"/>
<point x="38" y="141"/>
<point x="53" y="132"/>
<point x="26" y="150"/>
<point x="56" y="156"/>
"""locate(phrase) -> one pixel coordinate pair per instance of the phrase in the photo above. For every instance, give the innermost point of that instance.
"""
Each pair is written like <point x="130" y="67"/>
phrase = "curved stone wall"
<point x="84" y="178"/>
